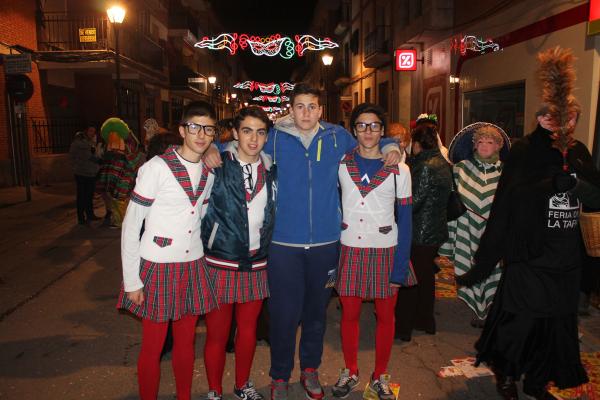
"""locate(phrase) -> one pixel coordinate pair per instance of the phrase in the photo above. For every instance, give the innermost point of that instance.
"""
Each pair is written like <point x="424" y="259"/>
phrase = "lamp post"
<point x="327" y="60"/>
<point x="116" y="15"/>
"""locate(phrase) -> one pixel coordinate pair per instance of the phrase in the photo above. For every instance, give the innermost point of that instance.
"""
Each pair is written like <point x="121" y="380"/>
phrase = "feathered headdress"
<point x="557" y="80"/>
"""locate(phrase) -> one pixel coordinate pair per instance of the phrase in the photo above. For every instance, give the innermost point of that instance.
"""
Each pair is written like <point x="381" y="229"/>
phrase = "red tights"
<point x="384" y="332"/>
<point x="218" y="323"/>
<point x="153" y="338"/>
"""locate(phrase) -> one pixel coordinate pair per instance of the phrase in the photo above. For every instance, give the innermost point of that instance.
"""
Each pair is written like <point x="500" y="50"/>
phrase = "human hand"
<point x="211" y="157"/>
<point x="137" y="297"/>
<point x="392" y="157"/>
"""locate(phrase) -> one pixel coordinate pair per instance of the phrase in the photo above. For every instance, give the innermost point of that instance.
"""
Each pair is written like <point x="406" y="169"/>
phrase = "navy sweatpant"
<point x="297" y="278"/>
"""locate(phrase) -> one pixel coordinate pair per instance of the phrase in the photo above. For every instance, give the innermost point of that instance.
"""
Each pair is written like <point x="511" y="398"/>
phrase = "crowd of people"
<point x="274" y="218"/>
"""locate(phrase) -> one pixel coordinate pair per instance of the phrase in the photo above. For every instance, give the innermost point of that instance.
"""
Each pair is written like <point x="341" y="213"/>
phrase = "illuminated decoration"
<point x="472" y="43"/>
<point x="271" y="99"/>
<point x="308" y="42"/>
<point x="273" y="45"/>
<point x="225" y="41"/>
<point x="272" y="109"/>
<point x="406" y="59"/>
<point x="268" y="46"/>
<point x="271" y="88"/>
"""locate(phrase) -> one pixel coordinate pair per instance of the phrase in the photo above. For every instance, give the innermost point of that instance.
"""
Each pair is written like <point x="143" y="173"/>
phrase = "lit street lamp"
<point x="212" y="79"/>
<point x="327" y="60"/>
<point x="116" y="15"/>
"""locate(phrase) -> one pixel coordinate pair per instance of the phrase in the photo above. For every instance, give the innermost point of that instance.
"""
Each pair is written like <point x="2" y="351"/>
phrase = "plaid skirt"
<point x="365" y="272"/>
<point x="172" y="291"/>
<point x="238" y="287"/>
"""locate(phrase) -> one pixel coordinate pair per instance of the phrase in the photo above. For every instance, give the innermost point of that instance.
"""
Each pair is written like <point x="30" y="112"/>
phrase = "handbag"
<point x="455" y="207"/>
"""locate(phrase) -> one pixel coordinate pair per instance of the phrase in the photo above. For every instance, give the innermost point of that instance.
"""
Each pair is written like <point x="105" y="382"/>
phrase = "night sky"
<point x="264" y="18"/>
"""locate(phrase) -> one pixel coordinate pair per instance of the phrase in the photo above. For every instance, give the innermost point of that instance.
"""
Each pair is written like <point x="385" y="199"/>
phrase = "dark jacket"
<point x="513" y="232"/>
<point x="225" y="232"/>
<point x="431" y="186"/>
<point x="83" y="159"/>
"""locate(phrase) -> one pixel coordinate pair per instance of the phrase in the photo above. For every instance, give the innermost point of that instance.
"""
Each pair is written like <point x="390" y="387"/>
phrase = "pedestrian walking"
<point x="375" y="247"/>
<point x="85" y="167"/>
<point x="164" y="272"/>
<point x="236" y="233"/>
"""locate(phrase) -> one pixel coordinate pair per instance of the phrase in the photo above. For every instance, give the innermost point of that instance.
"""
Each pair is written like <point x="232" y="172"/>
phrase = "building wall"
<point x="17" y="27"/>
<point x="517" y="62"/>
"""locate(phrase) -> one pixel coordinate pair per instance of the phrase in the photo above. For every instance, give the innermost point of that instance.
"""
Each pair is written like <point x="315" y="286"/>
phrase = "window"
<point x="367" y="95"/>
<point x="382" y="95"/>
<point x="354" y="42"/>
<point x="503" y="106"/>
<point x="355" y="99"/>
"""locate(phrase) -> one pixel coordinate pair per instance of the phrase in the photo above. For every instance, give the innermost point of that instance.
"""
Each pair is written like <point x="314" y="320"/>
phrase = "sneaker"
<point x="309" y="378"/>
<point x="213" y="395"/>
<point x="345" y="384"/>
<point x="247" y="392"/>
<point x="279" y="389"/>
<point x="380" y="389"/>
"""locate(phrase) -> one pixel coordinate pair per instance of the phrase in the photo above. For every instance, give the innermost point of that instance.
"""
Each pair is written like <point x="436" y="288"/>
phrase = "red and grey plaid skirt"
<point x="172" y="291"/>
<point x="233" y="286"/>
<point x="365" y="272"/>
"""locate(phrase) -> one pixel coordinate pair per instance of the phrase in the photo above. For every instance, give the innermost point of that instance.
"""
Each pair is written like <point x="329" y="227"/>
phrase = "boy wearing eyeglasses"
<point x="375" y="251"/>
<point x="165" y="276"/>
<point x="236" y="232"/>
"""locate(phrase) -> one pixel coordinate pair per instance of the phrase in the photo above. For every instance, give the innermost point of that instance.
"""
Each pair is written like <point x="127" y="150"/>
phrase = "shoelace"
<point x="343" y="380"/>
<point x="251" y="392"/>
<point x="385" y="388"/>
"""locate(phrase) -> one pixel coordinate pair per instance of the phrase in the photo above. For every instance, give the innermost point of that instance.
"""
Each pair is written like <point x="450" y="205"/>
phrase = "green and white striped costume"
<point x="476" y="182"/>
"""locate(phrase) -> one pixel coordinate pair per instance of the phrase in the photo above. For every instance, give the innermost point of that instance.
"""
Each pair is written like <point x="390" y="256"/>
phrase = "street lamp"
<point x="327" y="60"/>
<point x="212" y="79"/>
<point x="116" y="15"/>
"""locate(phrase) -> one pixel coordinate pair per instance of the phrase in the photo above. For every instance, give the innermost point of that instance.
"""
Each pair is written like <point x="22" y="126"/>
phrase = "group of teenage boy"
<point x="262" y="217"/>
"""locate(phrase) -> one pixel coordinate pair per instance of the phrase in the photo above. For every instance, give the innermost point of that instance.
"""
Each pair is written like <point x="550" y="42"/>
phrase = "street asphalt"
<point x="61" y="336"/>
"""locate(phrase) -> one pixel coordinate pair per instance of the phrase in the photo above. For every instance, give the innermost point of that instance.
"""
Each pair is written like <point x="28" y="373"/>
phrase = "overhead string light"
<point x="272" y="109"/>
<point x="271" y="99"/>
<point x="473" y="43"/>
<point x="270" y="46"/>
<point x="270" y="88"/>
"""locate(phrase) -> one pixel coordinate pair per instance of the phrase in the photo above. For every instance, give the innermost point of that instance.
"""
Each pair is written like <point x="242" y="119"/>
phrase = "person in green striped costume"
<point x="476" y="179"/>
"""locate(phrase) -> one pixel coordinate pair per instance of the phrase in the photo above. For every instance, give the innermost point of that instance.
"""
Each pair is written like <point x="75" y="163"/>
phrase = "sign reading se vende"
<point x="87" y="35"/>
<point x="406" y="60"/>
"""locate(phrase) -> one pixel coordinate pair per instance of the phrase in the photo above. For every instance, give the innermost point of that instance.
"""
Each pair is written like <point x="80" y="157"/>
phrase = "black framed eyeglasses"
<point x="193" y="129"/>
<point x="362" y="126"/>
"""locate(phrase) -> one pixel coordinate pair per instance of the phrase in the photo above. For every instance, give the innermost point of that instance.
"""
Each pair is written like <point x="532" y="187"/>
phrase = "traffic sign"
<point x="19" y="87"/>
<point x="17" y="64"/>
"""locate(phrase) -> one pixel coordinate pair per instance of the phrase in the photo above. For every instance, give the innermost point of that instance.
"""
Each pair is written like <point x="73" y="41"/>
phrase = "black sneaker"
<point x="380" y="388"/>
<point x="247" y="392"/>
<point x="345" y="384"/>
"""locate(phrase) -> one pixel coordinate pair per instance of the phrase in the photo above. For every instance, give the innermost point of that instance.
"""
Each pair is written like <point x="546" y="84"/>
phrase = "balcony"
<point x="69" y="33"/>
<point x="377" y="48"/>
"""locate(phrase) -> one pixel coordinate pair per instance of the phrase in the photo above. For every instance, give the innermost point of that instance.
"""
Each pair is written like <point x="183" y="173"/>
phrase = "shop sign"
<point x="87" y="35"/>
<point x="406" y="60"/>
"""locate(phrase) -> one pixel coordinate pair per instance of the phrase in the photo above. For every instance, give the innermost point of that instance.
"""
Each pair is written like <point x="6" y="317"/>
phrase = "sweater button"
<point x="189" y="231"/>
<point x="362" y="203"/>
<point x="361" y="220"/>
<point x="306" y="154"/>
<point x="193" y="212"/>
<point x="187" y="251"/>
<point x="360" y="237"/>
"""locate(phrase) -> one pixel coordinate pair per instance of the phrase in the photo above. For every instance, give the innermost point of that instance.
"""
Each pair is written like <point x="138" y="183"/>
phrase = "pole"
<point x="118" y="66"/>
<point x="327" y="93"/>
